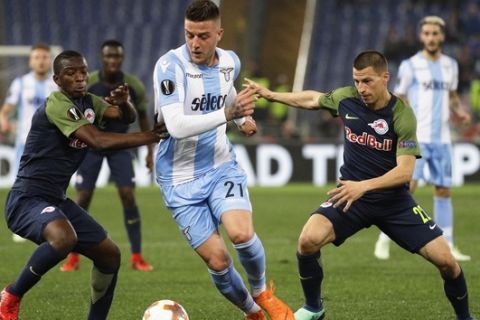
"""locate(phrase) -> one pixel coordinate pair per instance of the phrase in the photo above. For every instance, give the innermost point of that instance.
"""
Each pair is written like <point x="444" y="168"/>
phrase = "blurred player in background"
<point x="380" y="149"/>
<point x="100" y="83"/>
<point x="37" y="207"/>
<point x="202" y="184"/>
<point x="24" y="97"/>
<point x="428" y="81"/>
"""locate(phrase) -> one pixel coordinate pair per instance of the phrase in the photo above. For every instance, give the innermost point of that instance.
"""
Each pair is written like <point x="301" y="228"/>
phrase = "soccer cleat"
<point x="9" y="305"/>
<point x="469" y="318"/>
<point x="16" y="238"/>
<point x="138" y="263"/>
<point x="382" y="249"/>
<point x="304" y="314"/>
<point x="256" y="316"/>
<point x="72" y="264"/>
<point x="276" y="308"/>
<point x="458" y="255"/>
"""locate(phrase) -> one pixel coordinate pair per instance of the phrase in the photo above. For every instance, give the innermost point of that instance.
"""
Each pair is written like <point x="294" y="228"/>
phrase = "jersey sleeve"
<point x="140" y="102"/>
<point x="404" y="78"/>
<point x="13" y="94"/>
<point x="454" y="85"/>
<point x="64" y="114"/>
<point x="331" y="100"/>
<point x="405" y="125"/>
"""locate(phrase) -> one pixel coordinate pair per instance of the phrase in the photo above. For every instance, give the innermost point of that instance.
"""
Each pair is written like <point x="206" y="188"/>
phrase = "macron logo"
<point x="164" y="65"/>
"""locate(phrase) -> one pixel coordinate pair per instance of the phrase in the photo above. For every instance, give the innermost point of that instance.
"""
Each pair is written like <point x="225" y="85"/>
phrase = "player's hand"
<point x="243" y="105"/>
<point x="258" y="88"/>
<point x="161" y="131"/>
<point x="149" y="160"/>
<point x="119" y="96"/>
<point x="5" y="126"/>
<point x="249" y="127"/>
<point x="346" y="192"/>
<point x="464" y="117"/>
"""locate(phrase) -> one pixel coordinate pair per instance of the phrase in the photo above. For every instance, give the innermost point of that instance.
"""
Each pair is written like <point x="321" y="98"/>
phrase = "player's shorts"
<point x="197" y="206"/>
<point x="28" y="216"/>
<point x="438" y="158"/>
<point x="399" y="217"/>
<point x="121" y="169"/>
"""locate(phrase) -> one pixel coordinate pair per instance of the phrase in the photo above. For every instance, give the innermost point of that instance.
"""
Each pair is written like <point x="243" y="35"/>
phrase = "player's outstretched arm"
<point x="5" y="112"/>
<point x="122" y="109"/>
<point x="101" y="140"/>
<point x="456" y="107"/>
<point x="308" y="99"/>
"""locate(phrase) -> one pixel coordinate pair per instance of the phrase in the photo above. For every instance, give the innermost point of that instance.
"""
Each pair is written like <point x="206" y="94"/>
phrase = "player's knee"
<point x="109" y="258"/>
<point x="64" y="241"/>
<point x="242" y="236"/>
<point x="218" y="262"/>
<point x="449" y="267"/>
<point x="308" y="244"/>
<point x="442" y="192"/>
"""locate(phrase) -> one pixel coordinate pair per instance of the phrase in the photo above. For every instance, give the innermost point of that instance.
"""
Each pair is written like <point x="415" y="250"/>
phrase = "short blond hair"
<point x="436" y="20"/>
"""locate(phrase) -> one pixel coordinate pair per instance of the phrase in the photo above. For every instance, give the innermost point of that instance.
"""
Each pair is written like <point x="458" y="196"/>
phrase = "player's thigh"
<point x="28" y="216"/>
<point x="89" y="232"/>
<point x="438" y="252"/>
<point x="238" y="225"/>
<point x="87" y="173"/>
<point x="214" y="252"/>
<point x="408" y="224"/>
<point x="121" y="168"/>
<point x="440" y="164"/>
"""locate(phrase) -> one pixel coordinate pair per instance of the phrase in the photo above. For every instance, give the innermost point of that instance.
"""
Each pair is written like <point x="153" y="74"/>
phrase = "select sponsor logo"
<point x="208" y="102"/>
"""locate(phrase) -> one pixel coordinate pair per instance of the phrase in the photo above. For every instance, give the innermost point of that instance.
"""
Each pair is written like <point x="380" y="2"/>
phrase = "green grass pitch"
<point x="356" y="285"/>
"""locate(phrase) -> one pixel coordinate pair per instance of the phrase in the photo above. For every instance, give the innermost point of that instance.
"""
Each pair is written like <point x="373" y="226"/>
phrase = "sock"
<point x="252" y="257"/>
<point x="443" y="211"/>
<point x="456" y="291"/>
<point x="103" y="284"/>
<point x="311" y="276"/>
<point x="44" y="258"/>
<point x="132" y="224"/>
<point x="231" y="286"/>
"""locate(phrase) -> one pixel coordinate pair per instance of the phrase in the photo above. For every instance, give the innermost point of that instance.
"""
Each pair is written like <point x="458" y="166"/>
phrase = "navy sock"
<point x="133" y="226"/>
<point x="311" y="276"/>
<point x="44" y="258"/>
<point x="103" y="287"/>
<point x="456" y="291"/>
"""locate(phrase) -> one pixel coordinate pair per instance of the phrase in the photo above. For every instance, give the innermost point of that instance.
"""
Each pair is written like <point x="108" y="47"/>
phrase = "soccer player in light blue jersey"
<point x="380" y="150"/>
<point x="25" y="95"/>
<point x="202" y="184"/>
<point x="428" y="80"/>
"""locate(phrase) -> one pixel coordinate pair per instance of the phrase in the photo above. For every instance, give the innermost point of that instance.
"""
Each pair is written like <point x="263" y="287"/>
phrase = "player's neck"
<point x="429" y="55"/>
<point x="40" y="76"/>
<point x="381" y="102"/>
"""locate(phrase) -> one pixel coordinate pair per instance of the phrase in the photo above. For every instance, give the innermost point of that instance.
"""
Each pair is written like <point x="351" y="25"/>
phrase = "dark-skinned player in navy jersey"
<point x="37" y="207"/>
<point x="100" y="83"/>
<point x="380" y="149"/>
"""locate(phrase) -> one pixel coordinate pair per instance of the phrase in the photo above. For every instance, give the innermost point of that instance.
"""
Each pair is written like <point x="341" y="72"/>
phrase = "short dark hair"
<point x="371" y="58"/>
<point x="67" y="54"/>
<point x="40" y="45"/>
<point x="202" y="10"/>
<point x="111" y="43"/>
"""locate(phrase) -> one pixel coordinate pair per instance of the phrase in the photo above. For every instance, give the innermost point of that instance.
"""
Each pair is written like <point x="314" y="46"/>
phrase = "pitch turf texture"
<point x="356" y="286"/>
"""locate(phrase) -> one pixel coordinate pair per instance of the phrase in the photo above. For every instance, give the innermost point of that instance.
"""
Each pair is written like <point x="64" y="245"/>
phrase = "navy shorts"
<point x="121" y="169"/>
<point x="399" y="216"/>
<point x="28" y="216"/>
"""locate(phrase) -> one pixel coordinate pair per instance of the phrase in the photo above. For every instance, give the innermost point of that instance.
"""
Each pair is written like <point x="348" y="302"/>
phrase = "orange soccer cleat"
<point x="9" y="305"/>
<point x="256" y="316"/>
<point x="72" y="264"/>
<point x="276" y="308"/>
<point x="138" y="263"/>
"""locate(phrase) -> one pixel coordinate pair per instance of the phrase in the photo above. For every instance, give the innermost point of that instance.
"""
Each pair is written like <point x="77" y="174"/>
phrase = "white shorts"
<point x="197" y="206"/>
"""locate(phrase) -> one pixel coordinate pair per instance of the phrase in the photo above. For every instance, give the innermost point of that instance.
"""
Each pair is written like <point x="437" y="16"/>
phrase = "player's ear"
<point x="220" y="34"/>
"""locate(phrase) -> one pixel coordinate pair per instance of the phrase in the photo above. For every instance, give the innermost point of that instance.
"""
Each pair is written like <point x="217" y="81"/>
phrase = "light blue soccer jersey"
<point x="427" y="85"/>
<point x="194" y="90"/>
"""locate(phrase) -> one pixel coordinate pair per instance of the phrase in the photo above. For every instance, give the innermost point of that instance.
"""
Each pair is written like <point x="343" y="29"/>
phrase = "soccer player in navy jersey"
<point x="202" y="184"/>
<point x="100" y="83"/>
<point x="37" y="207"/>
<point x="428" y="81"/>
<point x="380" y="149"/>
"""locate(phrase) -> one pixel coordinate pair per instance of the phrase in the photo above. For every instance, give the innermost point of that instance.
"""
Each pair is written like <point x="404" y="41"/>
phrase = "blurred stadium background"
<point x="285" y="44"/>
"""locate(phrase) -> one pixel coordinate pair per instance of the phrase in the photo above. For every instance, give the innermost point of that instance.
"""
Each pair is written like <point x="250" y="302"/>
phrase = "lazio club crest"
<point x="226" y="73"/>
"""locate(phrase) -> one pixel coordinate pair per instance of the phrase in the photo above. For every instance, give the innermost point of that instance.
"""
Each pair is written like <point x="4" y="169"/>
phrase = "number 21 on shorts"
<point x="422" y="213"/>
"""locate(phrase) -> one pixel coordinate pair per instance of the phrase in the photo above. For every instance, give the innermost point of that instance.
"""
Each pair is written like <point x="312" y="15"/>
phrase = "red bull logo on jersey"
<point x="380" y="126"/>
<point x="208" y="102"/>
<point x="368" y="140"/>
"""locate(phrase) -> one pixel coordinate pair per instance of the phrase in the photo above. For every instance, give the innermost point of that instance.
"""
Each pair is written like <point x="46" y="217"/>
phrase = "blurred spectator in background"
<point x="25" y="95"/>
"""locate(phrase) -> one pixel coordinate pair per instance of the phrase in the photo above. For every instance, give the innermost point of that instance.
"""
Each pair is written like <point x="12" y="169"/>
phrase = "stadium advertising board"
<point x="277" y="165"/>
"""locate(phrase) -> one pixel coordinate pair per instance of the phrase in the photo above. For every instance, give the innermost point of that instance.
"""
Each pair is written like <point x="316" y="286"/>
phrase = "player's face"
<point x="431" y="37"/>
<point x="40" y="61"/>
<point x="202" y="38"/>
<point x="371" y="86"/>
<point x="112" y="59"/>
<point x="72" y="78"/>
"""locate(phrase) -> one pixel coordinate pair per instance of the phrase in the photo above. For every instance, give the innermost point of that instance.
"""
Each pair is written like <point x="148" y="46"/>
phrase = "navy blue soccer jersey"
<point x="51" y="154"/>
<point x="373" y="138"/>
